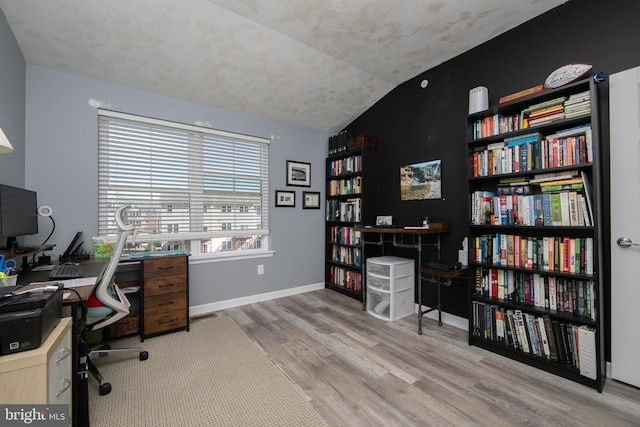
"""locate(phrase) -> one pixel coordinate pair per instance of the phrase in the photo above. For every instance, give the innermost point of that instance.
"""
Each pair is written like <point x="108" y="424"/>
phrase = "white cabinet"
<point x="41" y="375"/>
<point x="390" y="287"/>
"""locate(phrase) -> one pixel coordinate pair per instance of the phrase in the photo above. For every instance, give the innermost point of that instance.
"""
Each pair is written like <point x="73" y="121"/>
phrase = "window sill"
<point x="233" y="256"/>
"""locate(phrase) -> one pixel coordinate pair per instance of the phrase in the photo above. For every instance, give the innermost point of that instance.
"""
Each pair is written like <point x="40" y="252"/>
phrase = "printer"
<point x="27" y="319"/>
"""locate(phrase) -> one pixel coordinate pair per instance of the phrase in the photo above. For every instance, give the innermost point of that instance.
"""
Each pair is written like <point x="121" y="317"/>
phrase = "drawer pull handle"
<point x="166" y="285"/>
<point x="167" y="303"/>
<point x="67" y="385"/>
<point x="66" y="352"/>
<point x="166" y="268"/>
<point x="168" y="321"/>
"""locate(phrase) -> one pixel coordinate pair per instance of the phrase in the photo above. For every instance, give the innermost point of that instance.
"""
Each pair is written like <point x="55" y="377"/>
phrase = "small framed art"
<point x="310" y="200"/>
<point x="285" y="198"/>
<point x="298" y="173"/>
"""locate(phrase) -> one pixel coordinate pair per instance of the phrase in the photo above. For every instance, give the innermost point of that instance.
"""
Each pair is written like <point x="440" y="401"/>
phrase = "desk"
<point x="397" y="235"/>
<point x="80" y="391"/>
<point x="164" y="294"/>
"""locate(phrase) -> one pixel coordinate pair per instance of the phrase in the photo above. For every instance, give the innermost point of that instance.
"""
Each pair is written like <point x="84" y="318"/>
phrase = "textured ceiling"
<point x="315" y="63"/>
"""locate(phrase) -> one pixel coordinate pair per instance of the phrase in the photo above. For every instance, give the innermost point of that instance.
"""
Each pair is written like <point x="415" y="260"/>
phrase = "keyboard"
<point x="66" y="271"/>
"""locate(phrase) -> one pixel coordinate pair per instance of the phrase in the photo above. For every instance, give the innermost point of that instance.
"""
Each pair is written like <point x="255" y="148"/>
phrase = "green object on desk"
<point x="151" y="254"/>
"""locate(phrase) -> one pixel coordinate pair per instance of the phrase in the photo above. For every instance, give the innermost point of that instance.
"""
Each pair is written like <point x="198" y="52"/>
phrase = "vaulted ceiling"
<point x="314" y="63"/>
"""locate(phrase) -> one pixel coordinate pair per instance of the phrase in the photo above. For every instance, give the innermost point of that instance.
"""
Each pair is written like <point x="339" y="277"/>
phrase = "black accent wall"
<point x="413" y="124"/>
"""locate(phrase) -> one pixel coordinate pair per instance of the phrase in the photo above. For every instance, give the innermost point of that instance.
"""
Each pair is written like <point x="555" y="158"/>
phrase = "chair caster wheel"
<point x="144" y="355"/>
<point x="105" y="389"/>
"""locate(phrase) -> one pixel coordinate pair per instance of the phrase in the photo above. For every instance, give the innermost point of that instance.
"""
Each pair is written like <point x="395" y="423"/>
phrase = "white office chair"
<point x="115" y="304"/>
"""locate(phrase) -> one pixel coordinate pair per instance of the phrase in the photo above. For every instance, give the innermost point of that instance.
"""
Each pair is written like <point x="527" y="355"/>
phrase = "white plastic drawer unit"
<point x="390" y="266"/>
<point x="390" y="287"/>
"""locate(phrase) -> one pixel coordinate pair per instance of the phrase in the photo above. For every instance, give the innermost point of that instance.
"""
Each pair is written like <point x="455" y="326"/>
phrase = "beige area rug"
<point x="213" y="375"/>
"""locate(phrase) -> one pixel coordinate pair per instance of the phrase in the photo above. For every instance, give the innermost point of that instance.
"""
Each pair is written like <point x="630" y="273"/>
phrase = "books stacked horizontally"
<point x="545" y="112"/>
<point x="578" y="104"/>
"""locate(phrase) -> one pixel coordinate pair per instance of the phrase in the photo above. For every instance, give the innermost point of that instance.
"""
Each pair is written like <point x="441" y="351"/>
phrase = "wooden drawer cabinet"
<point x="165" y="304"/>
<point x="42" y="375"/>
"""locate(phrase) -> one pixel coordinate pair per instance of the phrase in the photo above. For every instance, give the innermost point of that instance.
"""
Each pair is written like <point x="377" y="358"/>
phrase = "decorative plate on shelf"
<point x="566" y="74"/>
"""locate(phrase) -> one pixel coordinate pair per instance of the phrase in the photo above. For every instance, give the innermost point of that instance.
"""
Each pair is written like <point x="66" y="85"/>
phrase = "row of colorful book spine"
<point x="348" y="186"/>
<point x="346" y="255"/>
<point x="559" y="341"/>
<point x="349" y="210"/>
<point x="344" y="166"/>
<point x="529" y="152"/>
<point x="548" y="253"/>
<point x="535" y="115"/>
<point x="563" y="208"/>
<point x="564" y="295"/>
<point x="345" y="278"/>
<point x="345" y="236"/>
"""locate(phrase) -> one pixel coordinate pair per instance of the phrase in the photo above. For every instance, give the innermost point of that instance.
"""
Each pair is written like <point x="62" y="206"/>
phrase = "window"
<point x="174" y="175"/>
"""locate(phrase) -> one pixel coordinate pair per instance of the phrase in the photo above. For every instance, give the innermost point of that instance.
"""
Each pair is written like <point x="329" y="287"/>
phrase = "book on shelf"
<point x="546" y="119"/>
<point x="561" y="187"/>
<point x="587" y="196"/>
<point x="553" y="176"/>
<point x="523" y="139"/>
<point x="521" y="94"/>
<point x="562" y="181"/>
<point x="546" y="111"/>
<point x="545" y="104"/>
<point x="577" y="112"/>
<point x="587" y="352"/>
<point x="577" y="130"/>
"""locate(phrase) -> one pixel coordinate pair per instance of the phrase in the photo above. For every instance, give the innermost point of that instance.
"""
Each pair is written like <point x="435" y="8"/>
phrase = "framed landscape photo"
<point x="310" y="200"/>
<point x="285" y="198"/>
<point x="421" y="181"/>
<point x="298" y="173"/>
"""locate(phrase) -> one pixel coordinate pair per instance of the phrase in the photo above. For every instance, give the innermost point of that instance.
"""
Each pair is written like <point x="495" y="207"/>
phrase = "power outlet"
<point x="260" y="269"/>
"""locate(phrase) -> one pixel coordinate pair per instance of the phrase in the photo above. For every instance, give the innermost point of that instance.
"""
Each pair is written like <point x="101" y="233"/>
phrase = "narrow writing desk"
<point x="411" y="238"/>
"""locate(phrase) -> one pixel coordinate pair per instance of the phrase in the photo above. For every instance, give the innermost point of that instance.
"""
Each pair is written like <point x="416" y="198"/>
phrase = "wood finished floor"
<point x="357" y="370"/>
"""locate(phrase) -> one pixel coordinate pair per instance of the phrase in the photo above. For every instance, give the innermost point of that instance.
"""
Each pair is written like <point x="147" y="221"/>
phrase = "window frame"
<point x="197" y="137"/>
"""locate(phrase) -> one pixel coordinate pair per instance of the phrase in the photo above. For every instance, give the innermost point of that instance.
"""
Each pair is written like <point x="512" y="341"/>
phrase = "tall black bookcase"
<point x="535" y="245"/>
<point x="344" y="207"/>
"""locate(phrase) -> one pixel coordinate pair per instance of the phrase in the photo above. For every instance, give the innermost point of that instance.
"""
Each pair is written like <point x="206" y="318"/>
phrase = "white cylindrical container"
<point x="478" y="99"/>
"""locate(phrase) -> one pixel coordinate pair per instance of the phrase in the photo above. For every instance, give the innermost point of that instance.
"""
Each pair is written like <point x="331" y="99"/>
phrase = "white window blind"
<point x="184" y="183"/>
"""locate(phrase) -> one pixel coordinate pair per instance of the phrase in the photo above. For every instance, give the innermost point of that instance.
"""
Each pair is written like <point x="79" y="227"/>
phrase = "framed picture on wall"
<point x="285" y="198"/>
<point x="310" y="200"/>
<point x="421" y="181"/>
<point x="298" y="173"/>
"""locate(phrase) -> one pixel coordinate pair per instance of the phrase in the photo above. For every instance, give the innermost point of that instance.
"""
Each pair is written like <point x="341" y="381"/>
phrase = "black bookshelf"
<point x="344" y="208"/>
<point x="550" y="296"/>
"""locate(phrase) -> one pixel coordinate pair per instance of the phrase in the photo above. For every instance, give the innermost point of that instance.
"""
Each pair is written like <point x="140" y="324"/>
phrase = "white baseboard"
<point x="201" y="310"/>
<point x="447" y="319"/>
<point x="204" y="309"/>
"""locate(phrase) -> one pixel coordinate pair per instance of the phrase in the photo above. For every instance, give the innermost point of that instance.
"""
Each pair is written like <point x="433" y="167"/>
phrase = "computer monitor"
<point x="18" y="214"/>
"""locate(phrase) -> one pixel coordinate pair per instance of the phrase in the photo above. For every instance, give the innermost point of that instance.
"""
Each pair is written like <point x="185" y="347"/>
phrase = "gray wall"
<point x="46" y="115"/>
<point x="61" y="141"/>
<point x="12" y="105"/>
